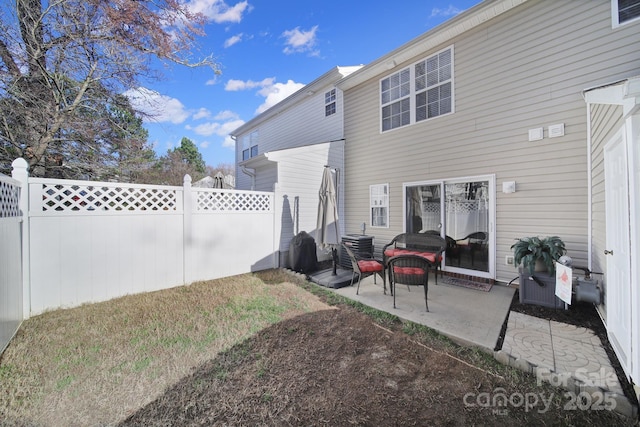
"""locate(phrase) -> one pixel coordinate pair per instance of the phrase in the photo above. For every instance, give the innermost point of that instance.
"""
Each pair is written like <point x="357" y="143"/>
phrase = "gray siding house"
<point x="285" y="149"/>
<point x="516" y="118"/>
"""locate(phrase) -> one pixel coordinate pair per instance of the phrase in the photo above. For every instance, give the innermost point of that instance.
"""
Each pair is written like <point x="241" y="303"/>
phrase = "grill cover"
<point x="302" y="253"/>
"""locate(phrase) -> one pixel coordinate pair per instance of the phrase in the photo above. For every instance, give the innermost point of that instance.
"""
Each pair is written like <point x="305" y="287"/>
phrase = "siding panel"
<point x="522" y="70"/>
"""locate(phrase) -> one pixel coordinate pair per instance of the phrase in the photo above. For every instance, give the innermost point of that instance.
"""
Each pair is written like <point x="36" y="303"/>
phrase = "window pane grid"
<point x="433" y="78"/>
<point x="396" y="86"/>
<point x="379" y="205"/>
<point x="330" y="109"/>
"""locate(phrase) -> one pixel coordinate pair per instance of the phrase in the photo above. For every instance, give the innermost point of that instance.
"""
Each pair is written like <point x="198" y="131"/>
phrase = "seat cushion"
<point x="408" y="270"/>
<point x="369" y="266"/>
<point x="429" y="256"/>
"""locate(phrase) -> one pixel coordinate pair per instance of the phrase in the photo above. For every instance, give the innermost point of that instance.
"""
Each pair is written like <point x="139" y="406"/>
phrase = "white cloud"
<point x="235" y="85"/>
<point x="450" y="11"/>
<point x="202" y="113"/>
<point x="226" y="115"/>
<point x="276" y="93"/>
<point x="300" y="41"/>
<point x="229" y="142"/>
<point x="217" y="128"/>
<point x="204" y="144"/>
<point x="218" y="11"/>
<point x="230" y="126"/>
<point x="233" y="40"/>
<point x="158" y="108"/>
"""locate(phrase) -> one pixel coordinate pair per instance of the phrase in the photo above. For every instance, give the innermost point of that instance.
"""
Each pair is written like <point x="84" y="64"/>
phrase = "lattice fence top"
<point x="63" y="197"/>
<point x="221" y="200"/>
<point x="9" y="199"/>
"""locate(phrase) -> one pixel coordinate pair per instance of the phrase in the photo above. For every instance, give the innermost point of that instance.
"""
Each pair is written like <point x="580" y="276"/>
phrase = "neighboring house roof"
<point x="330" y="77"/>
<point x="443" y="33"/>
<point x="266" y="158"/>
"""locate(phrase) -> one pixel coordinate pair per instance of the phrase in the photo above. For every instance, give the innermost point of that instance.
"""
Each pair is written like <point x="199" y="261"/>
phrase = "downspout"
<point x="589" y="191"/>
<point x="252" y="174"/>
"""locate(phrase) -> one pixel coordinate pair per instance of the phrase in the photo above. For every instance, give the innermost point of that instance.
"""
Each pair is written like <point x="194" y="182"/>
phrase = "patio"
<point x="467" y="316"/>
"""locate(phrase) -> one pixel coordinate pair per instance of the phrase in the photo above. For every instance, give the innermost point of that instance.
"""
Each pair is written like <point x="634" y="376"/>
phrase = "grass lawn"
<point x="265" y="348"/>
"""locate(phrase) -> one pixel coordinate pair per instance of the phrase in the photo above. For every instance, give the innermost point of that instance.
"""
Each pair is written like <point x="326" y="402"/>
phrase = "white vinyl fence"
<point x="93" y="241"/>
<point x="10" y="260"/>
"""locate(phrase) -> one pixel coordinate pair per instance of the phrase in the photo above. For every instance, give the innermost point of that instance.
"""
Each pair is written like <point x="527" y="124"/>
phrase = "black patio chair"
<point x="475" y="242"/>
<point x="410" y="270"/>
<point x="429" y="243"/>
<point x="365" y="266"/>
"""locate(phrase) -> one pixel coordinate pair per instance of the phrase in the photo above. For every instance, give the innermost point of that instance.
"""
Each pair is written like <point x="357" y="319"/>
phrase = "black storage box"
<point x="302" y="253"/>
<point x="541" y="292"/>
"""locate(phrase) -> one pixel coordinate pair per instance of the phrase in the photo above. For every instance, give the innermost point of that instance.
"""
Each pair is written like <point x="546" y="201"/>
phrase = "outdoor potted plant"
<point x="537" y="254"/>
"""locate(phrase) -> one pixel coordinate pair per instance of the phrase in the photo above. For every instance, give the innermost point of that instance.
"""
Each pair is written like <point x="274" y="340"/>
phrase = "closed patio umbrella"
<point x="327" y="229"/>
<point x="218" y="180"/>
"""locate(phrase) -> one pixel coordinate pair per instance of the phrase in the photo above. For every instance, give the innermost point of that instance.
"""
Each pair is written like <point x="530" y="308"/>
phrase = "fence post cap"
<point x="187" y="178"/>
<point x="20" y="163"/>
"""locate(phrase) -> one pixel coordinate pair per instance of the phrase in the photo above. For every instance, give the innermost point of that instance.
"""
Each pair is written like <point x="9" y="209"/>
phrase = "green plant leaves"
<point x="528" y="250"/>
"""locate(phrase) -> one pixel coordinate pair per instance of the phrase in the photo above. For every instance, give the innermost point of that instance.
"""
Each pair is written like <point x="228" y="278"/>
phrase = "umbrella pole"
<point x="334" y="255"/>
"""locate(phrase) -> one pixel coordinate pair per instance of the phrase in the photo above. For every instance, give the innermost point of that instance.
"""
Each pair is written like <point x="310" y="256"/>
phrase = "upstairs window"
<point x="624" y="11"/>
<point x="250" y="145"/>
<point x="330" y="103"/>
<point x="395" y="92"/>
<point x="433" y="86"/>
<point x="418" y="92"/>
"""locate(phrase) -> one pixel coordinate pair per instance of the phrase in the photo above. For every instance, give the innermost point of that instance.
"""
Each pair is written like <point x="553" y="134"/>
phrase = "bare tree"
<point x="62" y="63"/>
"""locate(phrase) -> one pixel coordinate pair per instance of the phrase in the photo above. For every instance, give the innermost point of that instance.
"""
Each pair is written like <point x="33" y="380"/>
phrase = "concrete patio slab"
<point x="467" y="316"/>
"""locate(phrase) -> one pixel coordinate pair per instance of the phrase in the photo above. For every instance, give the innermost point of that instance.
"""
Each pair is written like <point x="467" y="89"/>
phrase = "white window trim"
<point x="383" y="204"/>
<point x="333" y="101"/>
<point x="412" y="91"/>
<point x="615" y="20"/>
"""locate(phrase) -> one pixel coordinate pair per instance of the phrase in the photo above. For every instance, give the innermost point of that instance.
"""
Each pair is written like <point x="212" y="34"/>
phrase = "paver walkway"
<point x="567" y="356"/>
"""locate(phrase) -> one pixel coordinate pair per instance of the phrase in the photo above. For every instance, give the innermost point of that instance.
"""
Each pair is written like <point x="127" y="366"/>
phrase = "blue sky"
<point x="267" y="50"/>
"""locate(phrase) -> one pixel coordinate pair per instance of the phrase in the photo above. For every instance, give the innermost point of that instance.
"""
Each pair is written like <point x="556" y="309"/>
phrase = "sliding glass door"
<point x="463" y="212"/>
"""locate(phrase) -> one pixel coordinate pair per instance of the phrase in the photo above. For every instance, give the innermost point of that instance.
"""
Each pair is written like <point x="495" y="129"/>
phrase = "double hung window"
<point x="330" y="103"/>
<point x="379" y="205"/>
<point x="250" y="145"/>
<point x="421" y="91"/>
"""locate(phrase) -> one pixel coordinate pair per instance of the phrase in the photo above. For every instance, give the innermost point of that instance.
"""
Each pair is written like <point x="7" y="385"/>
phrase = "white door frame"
<point x="491" y="178"/>
<point x="627" y="95"/>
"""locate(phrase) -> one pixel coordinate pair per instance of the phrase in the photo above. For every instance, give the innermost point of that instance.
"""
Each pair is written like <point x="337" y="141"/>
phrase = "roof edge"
<point x="465" y="21"/>
<point x="335" y="74"/>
